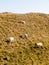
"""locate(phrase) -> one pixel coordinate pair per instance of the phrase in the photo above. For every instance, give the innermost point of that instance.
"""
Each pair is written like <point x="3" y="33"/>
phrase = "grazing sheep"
<point x="38" y="44"/>
<point x="21" y="21"/>
<point x="10" y="39"/>
<point x="26" y="36"/>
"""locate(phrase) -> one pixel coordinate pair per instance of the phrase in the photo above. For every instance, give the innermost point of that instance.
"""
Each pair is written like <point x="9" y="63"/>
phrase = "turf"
<point x="22" y="51"/>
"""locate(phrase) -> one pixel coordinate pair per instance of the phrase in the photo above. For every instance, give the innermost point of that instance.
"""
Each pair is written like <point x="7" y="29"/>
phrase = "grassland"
<point x="22" y="51"/>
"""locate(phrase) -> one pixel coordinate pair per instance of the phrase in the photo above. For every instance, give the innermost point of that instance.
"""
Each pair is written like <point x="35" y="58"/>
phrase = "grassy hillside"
<point x="22" y="51"/>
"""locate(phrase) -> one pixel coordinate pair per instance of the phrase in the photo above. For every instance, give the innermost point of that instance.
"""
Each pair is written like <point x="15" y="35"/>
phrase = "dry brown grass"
<point x="21" y="51"/>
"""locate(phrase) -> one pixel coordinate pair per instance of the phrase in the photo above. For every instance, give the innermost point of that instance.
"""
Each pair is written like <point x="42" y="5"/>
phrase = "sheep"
<point x="26" y="36"/>
<point x="21" y="21"/>
<point x="10" y="40"/>
<point x="38" y="45"/>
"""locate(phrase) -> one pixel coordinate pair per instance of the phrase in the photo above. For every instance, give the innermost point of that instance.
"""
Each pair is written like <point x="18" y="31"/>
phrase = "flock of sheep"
<point x="11" y="39"/>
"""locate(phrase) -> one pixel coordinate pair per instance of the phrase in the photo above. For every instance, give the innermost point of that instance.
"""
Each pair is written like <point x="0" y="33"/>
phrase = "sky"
<point x="24" y="6"/>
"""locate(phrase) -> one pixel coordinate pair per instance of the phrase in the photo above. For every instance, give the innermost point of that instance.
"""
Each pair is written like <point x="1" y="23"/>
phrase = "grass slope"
<point x="21" y="51"/>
